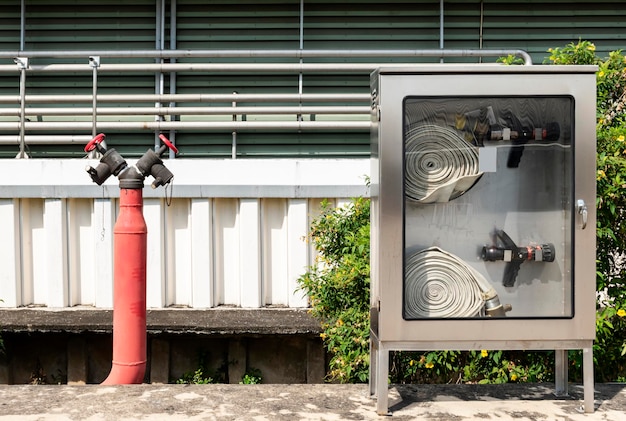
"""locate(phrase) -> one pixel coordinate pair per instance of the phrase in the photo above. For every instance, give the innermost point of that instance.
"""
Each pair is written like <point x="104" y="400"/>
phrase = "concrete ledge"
<point x="214" y="321"/>
<point x="239" y="178"/>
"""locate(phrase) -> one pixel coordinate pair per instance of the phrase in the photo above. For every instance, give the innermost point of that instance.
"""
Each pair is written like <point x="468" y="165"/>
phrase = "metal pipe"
<point x="437" y="53"/>
<point x="300" y="75"/>
<point x="22" y="64"/>
<point x="191" y="125"/>
<point x="201" y="98"/>
<point x="94" y="62"/>
<point x="129" y="291"/>
<point x="65" y="139"/>
<point x="233" y="153"/>
<point x="159" y="81"/>
<point x="173" y="40"/>
<point x="482" y="21"/>
<point x="234" y="110"/>
<point x="212" y="67"/>
<point x="22" y="26"/>
<point x="441" y="27"/>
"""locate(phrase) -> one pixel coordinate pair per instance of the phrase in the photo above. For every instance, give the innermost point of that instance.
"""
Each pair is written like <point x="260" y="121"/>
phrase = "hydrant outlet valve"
<point x="113" y="163"/>
<point x="110" y="163"/>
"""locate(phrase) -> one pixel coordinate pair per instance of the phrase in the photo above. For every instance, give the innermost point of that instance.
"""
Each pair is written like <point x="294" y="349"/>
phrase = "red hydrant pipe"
<point x="130" y="236"/>
<point x="129" y="291"/>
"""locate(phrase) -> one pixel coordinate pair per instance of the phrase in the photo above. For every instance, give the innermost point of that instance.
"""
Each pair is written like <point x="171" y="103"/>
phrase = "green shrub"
<point x="481" y="367"/>
<point x="204" y="374"/>
<point x="252" y="376"/>
<point x="197" y="377"/>
<point x="610" y="345"/>
<point x="611" y="91"/>
<point x="338" y="287"/>
<point x="582" y="52"/>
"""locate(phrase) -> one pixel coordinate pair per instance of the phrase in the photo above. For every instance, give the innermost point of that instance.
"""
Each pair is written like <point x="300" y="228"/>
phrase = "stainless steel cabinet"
<point x="483" y="222"/>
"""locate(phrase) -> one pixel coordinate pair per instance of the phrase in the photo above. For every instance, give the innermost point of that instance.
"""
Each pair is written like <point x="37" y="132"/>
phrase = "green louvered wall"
<point x="530" y="25"/>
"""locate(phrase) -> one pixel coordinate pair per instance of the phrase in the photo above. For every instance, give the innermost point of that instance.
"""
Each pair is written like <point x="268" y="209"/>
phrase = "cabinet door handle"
<point x="582" y="211"/>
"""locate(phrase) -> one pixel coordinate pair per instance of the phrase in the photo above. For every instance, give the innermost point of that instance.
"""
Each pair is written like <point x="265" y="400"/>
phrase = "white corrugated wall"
<point x="226" y="232"/>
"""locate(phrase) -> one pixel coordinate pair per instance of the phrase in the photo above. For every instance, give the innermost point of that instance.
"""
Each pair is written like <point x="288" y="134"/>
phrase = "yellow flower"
<point x="339" y="322"/>
<point x="601" y="174"/>
<point x="484" y="353"/>
<point x="620" y="138"/>
<point x="411" y="363"/>
<point x="621" y="312"/>
<point x="591" y="47"/>
<point x="513" y="377"/>
<point x="429" y="365"/>
<point x="323" y="335"/>
<point x="600" y="73"/>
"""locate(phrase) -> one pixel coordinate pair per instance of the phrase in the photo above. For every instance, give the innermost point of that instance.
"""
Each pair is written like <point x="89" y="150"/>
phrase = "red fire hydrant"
<point x="129" y="255"/>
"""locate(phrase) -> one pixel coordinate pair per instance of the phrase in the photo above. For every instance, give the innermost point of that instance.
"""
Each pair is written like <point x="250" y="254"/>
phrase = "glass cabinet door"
<point x="487" y="215"/>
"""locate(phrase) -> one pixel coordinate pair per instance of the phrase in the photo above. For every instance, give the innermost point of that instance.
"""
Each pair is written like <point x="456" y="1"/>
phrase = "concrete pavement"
<point x="304" y="402"/>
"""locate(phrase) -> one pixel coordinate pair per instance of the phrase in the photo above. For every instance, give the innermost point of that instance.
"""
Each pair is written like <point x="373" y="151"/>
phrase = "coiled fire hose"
<point x="439" y="164"/>
<point x="440" y="285"/>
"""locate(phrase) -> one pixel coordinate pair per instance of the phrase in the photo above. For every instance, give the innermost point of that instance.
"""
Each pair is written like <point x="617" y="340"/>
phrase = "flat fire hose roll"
<point x="439" y="164"/>
<point x="440" y="285"/>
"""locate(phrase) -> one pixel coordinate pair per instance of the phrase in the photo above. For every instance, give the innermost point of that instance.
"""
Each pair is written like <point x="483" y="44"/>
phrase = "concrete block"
<point x="5" y="373"/>
<point x="77" y="371"/>
<point x="316" y="361"/>
<point x="160" y="361"/>
<point x="237" y="360"/>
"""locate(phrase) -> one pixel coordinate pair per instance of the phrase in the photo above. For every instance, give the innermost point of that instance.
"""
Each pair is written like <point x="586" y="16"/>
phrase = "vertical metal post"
<point x="94" y="62"/>
<point x="441" y="31"/>
<point x="22" y="65"/>
<point x="300" y="76"/>
<point x="173" y="12"/>
<point x="173" y="41"/>
<point x="22" y="25"/>
<point x="158" y="77"/>
<point x="233" y="153"/>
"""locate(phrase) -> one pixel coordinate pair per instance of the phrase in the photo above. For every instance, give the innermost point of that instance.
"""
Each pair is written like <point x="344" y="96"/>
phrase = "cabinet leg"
<point x="560" y="372"/>
<point x="382" y="379"/>
<point x="588" y="381"/>
<point x="373" y="366"/>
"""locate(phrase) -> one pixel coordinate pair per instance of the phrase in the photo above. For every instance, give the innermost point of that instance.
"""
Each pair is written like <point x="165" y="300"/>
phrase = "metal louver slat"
<point x="105" y="25"/>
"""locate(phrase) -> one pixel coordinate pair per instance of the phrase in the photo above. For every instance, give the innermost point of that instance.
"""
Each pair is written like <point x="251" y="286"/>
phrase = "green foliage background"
<point x="338" y="286"/>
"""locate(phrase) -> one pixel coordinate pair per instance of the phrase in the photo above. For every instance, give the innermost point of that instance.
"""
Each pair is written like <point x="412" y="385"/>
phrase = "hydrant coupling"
<point x="110" y="163"/>
<point x="151" y="164"/>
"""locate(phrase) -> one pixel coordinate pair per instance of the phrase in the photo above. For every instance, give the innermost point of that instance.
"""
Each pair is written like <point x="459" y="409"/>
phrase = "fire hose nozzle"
<point x="493" y="307"/>
<point x="515" y="255"/>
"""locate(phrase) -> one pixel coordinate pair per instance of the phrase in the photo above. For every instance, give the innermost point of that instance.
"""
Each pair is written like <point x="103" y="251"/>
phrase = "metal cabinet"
<point x="483" y="222"/>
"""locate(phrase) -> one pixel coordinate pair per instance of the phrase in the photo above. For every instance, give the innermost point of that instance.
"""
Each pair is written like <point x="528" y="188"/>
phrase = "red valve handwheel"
<point x="168" y="143"/>
<point x="93" y="142"/>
